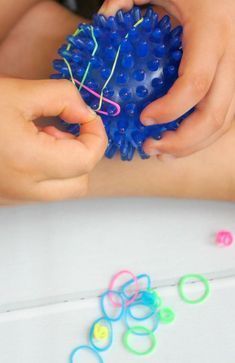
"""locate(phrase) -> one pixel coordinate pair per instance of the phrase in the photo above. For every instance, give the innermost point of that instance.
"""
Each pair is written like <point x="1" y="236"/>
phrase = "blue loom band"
<point x="147" y="316"/>
<point x="91" y="335"/>
<point x="128" y="283"/>
<point x="122" y="307"/>
<point x="85" y="347"/>
<point x="155" y="326"/>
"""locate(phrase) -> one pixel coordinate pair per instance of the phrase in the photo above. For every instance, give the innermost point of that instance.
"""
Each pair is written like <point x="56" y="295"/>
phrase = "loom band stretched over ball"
<point x="114" y="66"/>
<point x="74" y="81"/>
<point x="85" y="347"/>
<point x="154" y="317"/>
<point x="120" y="306"/>
<point x="151" y="312"/>
<point x="137" y="289"/>
<point x="125" y="286"/>
<point x="133" y="331"/>
<point x="166" y="315"/>
<point x="118" y="108"/>
<point x="92" y="338"/>
<point x="93" y="54"/>
<point x="185" y="279"/>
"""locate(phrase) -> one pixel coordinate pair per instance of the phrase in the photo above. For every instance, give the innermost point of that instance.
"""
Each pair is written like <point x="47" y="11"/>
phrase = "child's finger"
<point x="58" y="134"/>
<point x="61" y="157"/>
<point x="68" y="158"/>
<point x="55" y="98"/>
<point x="206" y="121"/>
<point x="110" y="7"/>
<point x="202" y="52"/>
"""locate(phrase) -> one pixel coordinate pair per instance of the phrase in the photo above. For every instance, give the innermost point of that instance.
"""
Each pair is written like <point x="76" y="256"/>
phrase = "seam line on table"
<point x="63" y="299"/>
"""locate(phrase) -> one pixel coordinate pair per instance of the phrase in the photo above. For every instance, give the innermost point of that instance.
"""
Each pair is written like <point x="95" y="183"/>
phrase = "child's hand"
<point x="206" y="75"/>
<point x="34" y="164"/>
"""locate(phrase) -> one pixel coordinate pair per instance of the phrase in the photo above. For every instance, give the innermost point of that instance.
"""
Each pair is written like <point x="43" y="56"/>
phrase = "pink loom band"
<point x="118" y="107"/>
<point x="115" y="278"/>
<point x="224" y="238"/>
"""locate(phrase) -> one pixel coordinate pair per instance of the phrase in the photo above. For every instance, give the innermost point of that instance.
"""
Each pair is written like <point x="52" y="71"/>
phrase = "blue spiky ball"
<point x="146" y="67"/>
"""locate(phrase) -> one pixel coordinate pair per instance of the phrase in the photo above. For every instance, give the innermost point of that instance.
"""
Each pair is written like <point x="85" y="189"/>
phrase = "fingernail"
<point x="149" y="122"/>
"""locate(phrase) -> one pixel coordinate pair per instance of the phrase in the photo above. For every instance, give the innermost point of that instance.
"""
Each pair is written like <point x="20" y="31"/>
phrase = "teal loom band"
<point x="133" y="331"/>
<point x="198" y="278"/>
<point x="92" y="339"/>
<point x="85" y="347"/>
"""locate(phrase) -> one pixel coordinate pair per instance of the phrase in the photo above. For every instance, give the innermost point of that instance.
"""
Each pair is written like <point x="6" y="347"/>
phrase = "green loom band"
<point x="139" y="329"/>
<point x="166" y="315"/>
<point x="199" y="278"/>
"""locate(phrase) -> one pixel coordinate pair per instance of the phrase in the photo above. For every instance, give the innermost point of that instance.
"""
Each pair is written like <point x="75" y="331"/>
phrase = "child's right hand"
<point x="47" y="164"/>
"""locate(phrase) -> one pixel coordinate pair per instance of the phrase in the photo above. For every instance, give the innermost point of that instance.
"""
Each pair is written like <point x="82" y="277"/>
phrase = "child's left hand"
<point x="206" y="75"/>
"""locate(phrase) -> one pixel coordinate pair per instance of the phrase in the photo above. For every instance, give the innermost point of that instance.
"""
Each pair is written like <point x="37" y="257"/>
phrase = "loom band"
<point x="85" y="347"/>
<point x="130" y="282"/>
<point x="166" y="315"/>
<point x="114" y="66"/>
<point x="132" y="331"/>
<point x="154" y="317"/>
<point x="93" y="338"/>
<point x="150" y="297"/>
<point x="116" y="277"/>
<point x="183" y="281"/>
<point x="157" y="300"/>
<point x="151" y="312"/>
<point x="120" y="306"/>
<point x="104" y="99"/>
<point x="93" y="53"/>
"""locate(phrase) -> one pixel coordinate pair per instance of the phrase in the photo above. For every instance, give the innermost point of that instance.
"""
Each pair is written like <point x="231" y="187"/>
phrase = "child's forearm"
<point x="11" y="12"/>
<point x="208" y="174"/>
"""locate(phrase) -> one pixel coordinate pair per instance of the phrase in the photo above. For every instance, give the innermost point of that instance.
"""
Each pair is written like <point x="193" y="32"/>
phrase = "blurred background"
<point x="85" y="8"/>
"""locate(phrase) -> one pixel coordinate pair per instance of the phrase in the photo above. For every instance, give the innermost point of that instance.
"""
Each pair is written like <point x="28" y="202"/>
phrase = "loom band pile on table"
<point x="137" y="289"/>
<point x="121" y="306"/>
<point x="154" y="317"/>
<point x="89" y="349"/>
<point x="94" y="337"/>
<point x="136" y="330"/>
<point x="125" y="286"/>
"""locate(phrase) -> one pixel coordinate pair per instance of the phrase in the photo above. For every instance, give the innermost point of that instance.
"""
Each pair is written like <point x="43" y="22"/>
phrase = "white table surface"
<point x="52" y="256"/>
